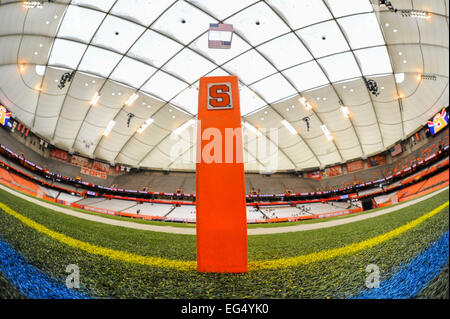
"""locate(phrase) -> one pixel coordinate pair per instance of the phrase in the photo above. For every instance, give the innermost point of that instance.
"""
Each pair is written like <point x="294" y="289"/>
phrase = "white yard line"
<point x="191" y="231"/>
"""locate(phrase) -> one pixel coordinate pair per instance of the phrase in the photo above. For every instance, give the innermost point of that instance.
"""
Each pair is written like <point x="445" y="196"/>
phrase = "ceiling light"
<point x="183" y="127"/>
<point x="399" y="77"/>
<point x="252" y="128"/>
<point x="132" y="99"/>
<point x="40" y="69"/>
<point x="145" y="125"/>
<point x="289" y="127"/>
<point x="345" y="110"/>
<point x="326" y="132"/>
<point x="305" y="103"/>
<point x="95" y="99"/>
<point x="109" y="128"/>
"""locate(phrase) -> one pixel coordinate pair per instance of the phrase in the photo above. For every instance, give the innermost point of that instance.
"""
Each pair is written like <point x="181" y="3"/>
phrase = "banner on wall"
<point x="99" y="166"/>
<point x="59" y="155"/>
<point x="355" y="166"/>
<point x="5" y="116"/>
<point x="439" y="121"/>
<point x="79" y="161"/>
<point x="93" y="173"/>
<point x="315" y="175"/>
<point x="334" y="171"/>
<point x="396" y="150"/>
<point x="376" y="160"/>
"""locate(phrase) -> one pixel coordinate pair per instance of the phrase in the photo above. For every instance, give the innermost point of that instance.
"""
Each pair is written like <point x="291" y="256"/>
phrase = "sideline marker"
<point x="221" y="224"/>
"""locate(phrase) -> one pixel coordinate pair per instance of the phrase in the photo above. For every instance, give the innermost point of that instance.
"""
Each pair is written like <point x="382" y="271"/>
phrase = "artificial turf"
<point x="7" y="290"/>
<point x="335" y="278"/>
<point x="438" y="288"/>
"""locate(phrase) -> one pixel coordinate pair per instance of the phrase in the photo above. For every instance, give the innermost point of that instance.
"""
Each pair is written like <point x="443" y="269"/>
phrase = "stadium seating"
<point x="150" y="209"/>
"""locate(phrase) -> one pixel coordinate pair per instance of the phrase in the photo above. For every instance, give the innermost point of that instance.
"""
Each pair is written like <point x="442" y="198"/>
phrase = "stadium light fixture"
<point x="289" y="127"/>
<point x="345" y="111"/>
<point x="183" y="127"/>
<point x="145" y="125"/>
<point x="132" y="99"/>
<point x="95" y="99"/>
<point x="252" y="128"/>
<point x="388" y="5"/>
<point x="305" y="103"/>
<point x="416" y="14"/>
<point x="326" y="132"/>
<point x="109" y="128"/>
<point x="32" y="4"/>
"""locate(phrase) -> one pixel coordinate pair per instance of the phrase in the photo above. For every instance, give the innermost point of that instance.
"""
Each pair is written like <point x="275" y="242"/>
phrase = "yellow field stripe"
<point x="349" y="249"/>
<point x="192" y="265"/>
<point x="102" y="251"/>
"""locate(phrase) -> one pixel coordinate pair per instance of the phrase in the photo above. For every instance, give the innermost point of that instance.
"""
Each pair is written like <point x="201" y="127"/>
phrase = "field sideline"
<point x="177" y="228"/>
<point x="412" y="229"/>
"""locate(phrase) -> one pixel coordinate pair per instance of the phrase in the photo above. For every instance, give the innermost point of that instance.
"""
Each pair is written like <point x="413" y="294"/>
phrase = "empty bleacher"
<point x="183" y="213"/>
<point x="68" y="198"/>
<point x="150" y="209"/>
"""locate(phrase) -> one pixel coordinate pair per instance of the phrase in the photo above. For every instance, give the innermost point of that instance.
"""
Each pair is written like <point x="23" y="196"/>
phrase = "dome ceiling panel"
<point x="80" y="23"/>
<point x="104" y="5"/>
<point x="436" y="60"/>
<point x="153" y="54"/>
<point x="12" y="18"/>
<point x="293" y="53"/>
<point x="141" y="11"/>
<point x="183" y="21"/>
<point x="258" y="23"/>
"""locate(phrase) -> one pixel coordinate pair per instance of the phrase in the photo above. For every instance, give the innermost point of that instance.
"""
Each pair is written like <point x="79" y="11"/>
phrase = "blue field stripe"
<point x="413" y="277"/>
<point x="30" y="281"/>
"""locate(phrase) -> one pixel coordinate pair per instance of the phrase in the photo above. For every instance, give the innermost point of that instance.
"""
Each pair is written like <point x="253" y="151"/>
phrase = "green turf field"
<point x="338" y="277"/>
